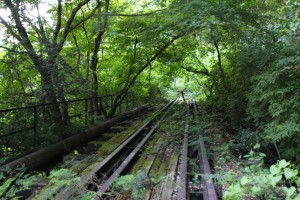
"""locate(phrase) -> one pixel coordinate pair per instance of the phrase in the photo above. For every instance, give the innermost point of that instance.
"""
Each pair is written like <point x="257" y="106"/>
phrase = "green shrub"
<point x="279" y="181"/>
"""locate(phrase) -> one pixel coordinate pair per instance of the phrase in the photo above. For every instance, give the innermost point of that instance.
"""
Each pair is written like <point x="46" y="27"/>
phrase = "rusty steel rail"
<point x="121" y="155"/>
<point x="105" y="186"/>
<point x="182" y="181"/>
<point x="209" y="191"/>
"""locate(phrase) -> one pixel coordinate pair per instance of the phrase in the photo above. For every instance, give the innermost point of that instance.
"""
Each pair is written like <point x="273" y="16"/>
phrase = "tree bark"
<point x="46" y="63"/>
<point x="49" y="95"/>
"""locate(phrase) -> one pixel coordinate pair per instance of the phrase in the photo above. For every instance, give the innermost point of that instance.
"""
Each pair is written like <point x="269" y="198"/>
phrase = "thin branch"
<point x="23" y="36"/>
<point x="83" y="19"/>
<point x="45" y="40"/>
<point x="216" y="45"/>
<point x="73" y="73"/>
<point x="205" y="68"/>
<point x="78" y="50"/>
<point x="9" y="28"/>
<point x="133" y="59"/>
<point x="129" y="84"/>
<point x="98" y="39"/>
<point x="68" y="27"/>
<point x="86" y="34"/>
<point x="12" y="50"/>
<point x="58" y="24"/>
<point x="189" y="69"/>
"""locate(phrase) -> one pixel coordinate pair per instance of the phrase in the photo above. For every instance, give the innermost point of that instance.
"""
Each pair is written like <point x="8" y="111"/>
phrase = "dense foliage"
<point x="239" y="57"/>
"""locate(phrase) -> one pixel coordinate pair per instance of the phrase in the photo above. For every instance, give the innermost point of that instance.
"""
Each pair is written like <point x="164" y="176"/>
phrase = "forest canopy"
<point x="238" y="58"/>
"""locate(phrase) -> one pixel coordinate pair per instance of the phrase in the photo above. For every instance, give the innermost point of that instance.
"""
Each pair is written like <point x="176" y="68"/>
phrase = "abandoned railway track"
<point x="104" y="187"/>
<point x="117" y="161"/>
<point x="145" y="149"/>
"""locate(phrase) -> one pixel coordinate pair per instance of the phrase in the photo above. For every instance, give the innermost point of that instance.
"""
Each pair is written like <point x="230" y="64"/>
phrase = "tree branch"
<point x="58" y="24"/>
<point x="202" y="65"/>
<point x="216" y="45"/>
<point x="84" y="19"/>
<point x="68" y="27"/>
<point x="12" y="50"/>
<point x="98" y="38"/>
<point x="78" y="50"/>
<point x="130" y="83"/>
<point x="189" y="69"/>
<point x="45" y="40"/>
<point x="23" y="36"/>
<point x="10" y="30"/>
<point x="133" y="59"/>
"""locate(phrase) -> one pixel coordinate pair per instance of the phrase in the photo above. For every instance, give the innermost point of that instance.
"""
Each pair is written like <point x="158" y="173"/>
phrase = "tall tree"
<point x="44" y="43"/>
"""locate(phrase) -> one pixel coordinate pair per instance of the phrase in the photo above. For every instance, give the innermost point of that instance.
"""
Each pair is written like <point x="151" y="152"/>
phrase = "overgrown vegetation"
<point x="60" y="179"/>
<point x="134" y="185"/>
<point x="251" y="179"/>
<point x="18" y="184"/>
<point x="239" y="58"/>
<point x="15" y="182"/>
<point x="156" y="166"/>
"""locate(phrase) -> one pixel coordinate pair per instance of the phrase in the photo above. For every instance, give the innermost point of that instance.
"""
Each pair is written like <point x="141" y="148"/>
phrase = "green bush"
<point x="279" y="181"/>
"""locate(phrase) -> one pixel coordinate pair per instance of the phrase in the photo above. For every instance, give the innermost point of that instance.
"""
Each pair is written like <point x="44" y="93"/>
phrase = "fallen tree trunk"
<point x="45" y="155"/>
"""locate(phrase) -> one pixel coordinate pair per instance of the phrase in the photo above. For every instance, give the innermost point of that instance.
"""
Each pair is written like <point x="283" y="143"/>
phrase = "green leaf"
<point x="289" y="191"/>
<point x="274" y="170"/>
<point x="289" y="173"/>
<point x="229" y="178"/>
<point x="297" y="197"/>
<point x="245" y="180"/>
<point x="233" y="192"/>
<point x="274" y="179"/>
<point x="298" y="181"/>
<point x="6" y="185"/>
<point x="256" y="189"/>
<point x="262" y="155"/>
<point x="257" y="146"/>
<point x="283" y="163"/>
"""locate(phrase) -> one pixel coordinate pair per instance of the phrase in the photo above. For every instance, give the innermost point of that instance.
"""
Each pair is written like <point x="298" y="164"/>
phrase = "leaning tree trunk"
<point x="95" y="60"/>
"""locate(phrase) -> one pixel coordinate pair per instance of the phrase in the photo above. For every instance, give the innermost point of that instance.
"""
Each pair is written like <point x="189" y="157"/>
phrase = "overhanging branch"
<point x="69" y="27"/>
<point x="190" y="69"/>
<point x="13" y="50"/>
<point x="131" y="82"/>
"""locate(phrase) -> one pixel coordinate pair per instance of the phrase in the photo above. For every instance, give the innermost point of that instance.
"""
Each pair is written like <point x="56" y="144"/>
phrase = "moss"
<point x="86" y="165"/>
<point x="79" y="167"/>
<point x="159" y="165"/>
<point x="146" y="159"/>
<point x="169" y="135"/>
<point x="109" y="146"/>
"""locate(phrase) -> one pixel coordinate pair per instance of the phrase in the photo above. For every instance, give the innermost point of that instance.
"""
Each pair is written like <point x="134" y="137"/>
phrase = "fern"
<point x="13" y="184"/>
<point x="135" y="184"/>
<point x="62" y="178"/>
